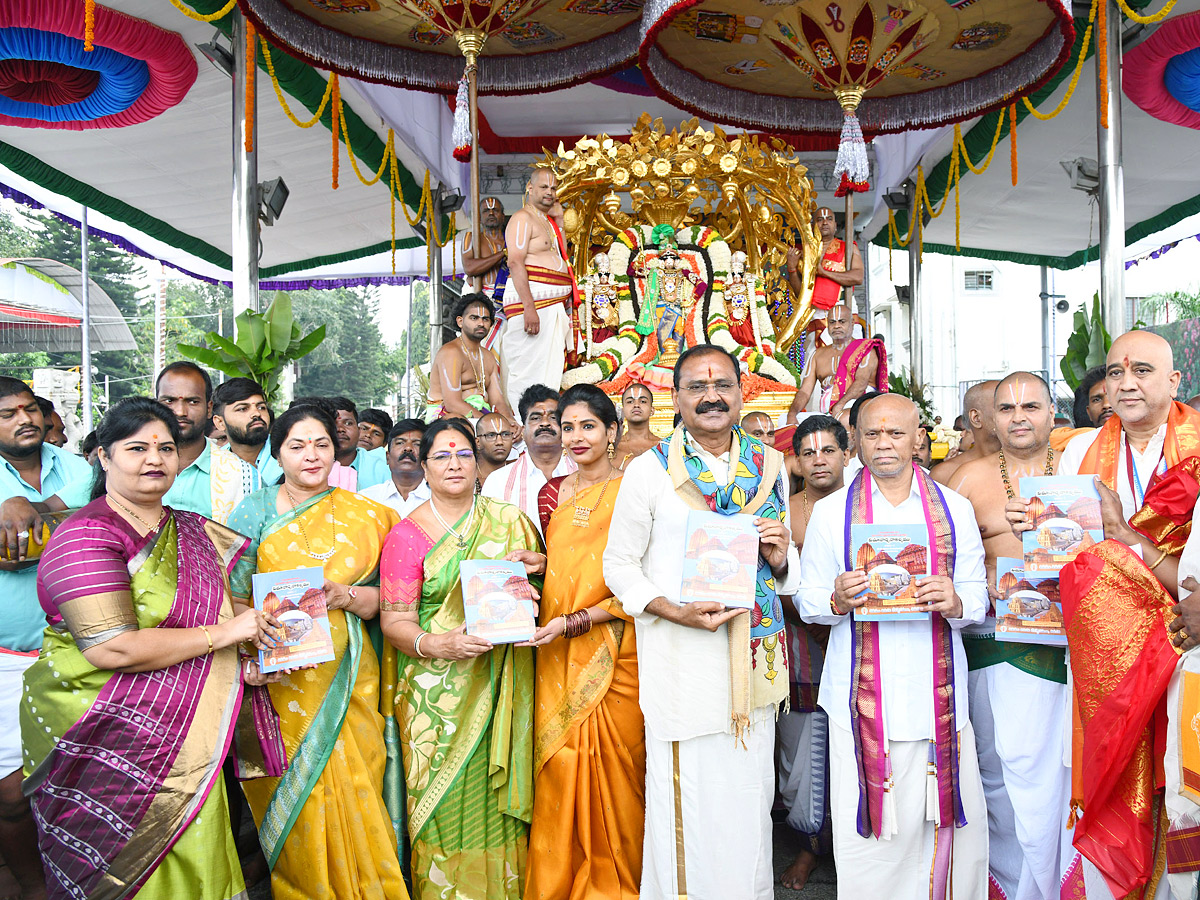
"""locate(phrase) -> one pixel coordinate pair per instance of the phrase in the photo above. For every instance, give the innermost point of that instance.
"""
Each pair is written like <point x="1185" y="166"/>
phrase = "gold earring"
<point x="611" y="449"/>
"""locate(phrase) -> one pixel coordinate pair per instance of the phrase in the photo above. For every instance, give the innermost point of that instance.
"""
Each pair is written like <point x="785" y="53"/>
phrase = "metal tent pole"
<point x="85" y="368"/>
<point x="245" y="177"/>
<point x="916" y="351"/>
<point x="435" y="292"/>
<point x="1112" y="179"/>
<point x="1047" y="307"/>
<point x="408" y="353"/>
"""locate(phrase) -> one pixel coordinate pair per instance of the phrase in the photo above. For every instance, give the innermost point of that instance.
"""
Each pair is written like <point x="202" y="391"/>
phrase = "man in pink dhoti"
<point x="843" y="370"/>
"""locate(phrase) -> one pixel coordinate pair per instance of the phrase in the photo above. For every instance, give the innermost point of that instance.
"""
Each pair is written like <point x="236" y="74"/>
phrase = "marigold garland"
<point x="202" y="17"/>
<point x="1083" y="46"/>
<point x="1146" y="20"/>
<point x="89" y="25"/>
<point x="251" y="69"/>
<point x="287" y="110"/>
<point x="335" y="109"/>
<point x="1102" y="58"/>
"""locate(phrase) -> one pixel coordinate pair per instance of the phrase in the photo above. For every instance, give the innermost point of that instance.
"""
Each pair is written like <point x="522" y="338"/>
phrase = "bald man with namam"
<point x="637" y="407"/>
<point x="1019" y="696"/>
<point x="1113" y="607"/>
<point x="979" y="412"/>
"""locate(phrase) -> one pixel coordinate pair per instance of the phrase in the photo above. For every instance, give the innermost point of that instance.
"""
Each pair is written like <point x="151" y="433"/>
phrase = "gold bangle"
<point x="1157" y="561"/>
<point x="209" y="636"/>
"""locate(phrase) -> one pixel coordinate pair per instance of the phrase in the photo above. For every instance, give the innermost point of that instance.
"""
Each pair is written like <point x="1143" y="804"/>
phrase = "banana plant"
<point x="1087" y="347"/>
<point x="265" y="344"/>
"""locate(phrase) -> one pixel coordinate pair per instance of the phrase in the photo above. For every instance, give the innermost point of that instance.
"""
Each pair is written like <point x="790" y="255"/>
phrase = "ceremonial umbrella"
<point x="812" y="65"/>
<point x="510" y="46"/>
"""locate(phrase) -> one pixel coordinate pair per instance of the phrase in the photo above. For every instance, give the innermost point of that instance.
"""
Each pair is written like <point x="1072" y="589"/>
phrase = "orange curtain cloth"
<point x="585" y="840"/>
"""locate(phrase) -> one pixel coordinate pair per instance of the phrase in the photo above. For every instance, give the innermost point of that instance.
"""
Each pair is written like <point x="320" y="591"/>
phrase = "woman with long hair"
<point x="324" y="825"/>
<point x="131" y="708"/>
<point x="589" y="739"/>
<point x="465" y="707"/>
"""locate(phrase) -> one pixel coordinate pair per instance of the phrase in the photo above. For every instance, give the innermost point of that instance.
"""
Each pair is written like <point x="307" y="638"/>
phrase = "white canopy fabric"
<point x="41" y="308"/>
<point x="1042" y="220"/>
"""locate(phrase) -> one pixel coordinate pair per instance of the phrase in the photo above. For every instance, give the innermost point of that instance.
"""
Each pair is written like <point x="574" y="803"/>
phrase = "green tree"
<point x="352" y="361"/>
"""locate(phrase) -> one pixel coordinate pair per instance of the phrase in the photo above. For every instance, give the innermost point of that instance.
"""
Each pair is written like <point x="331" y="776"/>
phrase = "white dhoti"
<point x="531" y="359"/>
<point x="802" y="760"/>
<point x="708" y="817"/>
<point x="1019" y="722"/>
<point x="12" y="668"/>
<point x="900" y="867"/>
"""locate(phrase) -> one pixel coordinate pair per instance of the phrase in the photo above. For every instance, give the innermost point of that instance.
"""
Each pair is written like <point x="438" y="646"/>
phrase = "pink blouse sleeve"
<point x="402" y="567"/>
<point x="83" y="581"/>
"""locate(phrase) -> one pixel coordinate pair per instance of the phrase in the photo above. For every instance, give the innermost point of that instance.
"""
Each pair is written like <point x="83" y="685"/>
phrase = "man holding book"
<point x="904" y="781"/>
<point x="711" y="677"/>
<point x="1019" y="695"/>
<point x="820" y="444"/>
<point x="1124" y="627"/>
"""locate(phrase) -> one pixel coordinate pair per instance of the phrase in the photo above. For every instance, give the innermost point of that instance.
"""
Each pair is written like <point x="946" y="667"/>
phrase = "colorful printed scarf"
<point x="866" y="692"/>
<point x="753" y="489"/>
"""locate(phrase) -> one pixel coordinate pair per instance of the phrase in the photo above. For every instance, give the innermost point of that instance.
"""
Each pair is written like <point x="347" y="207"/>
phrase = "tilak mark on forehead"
<point x="814" y="442"/>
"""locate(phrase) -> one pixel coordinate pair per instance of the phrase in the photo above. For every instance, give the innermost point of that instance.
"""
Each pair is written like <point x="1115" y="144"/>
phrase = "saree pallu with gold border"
<point x="324" y="826"/>
<point x="124" y="769"/>
<point x="467" y="732"/>
<point x="1122" y="660"/>
<point x="589" y="738"/>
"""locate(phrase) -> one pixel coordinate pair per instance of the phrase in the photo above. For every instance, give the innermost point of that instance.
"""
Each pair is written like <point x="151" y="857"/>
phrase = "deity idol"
<point x="672" y="290"/>
<point x="601" y="293"/>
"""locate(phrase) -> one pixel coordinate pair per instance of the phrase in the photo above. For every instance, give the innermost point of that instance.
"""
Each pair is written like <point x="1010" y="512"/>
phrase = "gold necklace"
<point x="1008" y="489"/>
<point x="477" y="372"/>
<point x="461" y="539"/>
<point x="323" y="557"/>
<point x="583" y="514"/>
<point x="804" y="500"/>
<point x="121" y="506"/>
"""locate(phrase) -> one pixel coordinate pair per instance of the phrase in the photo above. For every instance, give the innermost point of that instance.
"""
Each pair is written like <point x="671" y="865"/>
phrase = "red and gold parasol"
<point x="820" y="66"/>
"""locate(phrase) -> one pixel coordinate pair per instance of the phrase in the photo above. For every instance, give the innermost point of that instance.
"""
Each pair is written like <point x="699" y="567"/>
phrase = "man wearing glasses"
<point x="495" y="436"/>
<point x="712" y="677"/>
<point x="406" y="489"/>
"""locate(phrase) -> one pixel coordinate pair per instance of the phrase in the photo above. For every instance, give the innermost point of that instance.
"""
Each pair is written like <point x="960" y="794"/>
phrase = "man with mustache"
<point x="1092" y="407"/>
<point x="488" y="270"/>
<point x="465" y="379"/>
<point x="905" y="788"/>
<point x="494" y="436"/>
<point x="820" y="444"/>
<point x="1018" y="691"/>
<point x="712" y="678"/>
<point x="32" y="470"/>
<point x="406" y="489"/>
<point x="542" y="459"/>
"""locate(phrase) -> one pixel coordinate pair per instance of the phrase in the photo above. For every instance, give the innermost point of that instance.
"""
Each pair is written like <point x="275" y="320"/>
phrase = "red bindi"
<point x="452" y="445"/>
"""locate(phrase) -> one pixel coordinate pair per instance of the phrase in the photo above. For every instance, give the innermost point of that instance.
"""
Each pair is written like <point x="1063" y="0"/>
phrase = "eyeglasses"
<point x="492" y="435"/>
<point x="443" y="458"/>
<point x="700" y="388"/>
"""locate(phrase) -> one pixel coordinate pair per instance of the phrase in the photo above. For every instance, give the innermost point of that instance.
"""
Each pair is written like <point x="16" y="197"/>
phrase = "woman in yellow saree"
<point x="589" y="739"/>
<point x="324" y="825"/>
<point x="465" y="706"/>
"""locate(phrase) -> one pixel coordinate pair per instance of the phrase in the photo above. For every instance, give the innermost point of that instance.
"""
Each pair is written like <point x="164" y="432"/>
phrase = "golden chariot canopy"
<point x="680" y="237"/>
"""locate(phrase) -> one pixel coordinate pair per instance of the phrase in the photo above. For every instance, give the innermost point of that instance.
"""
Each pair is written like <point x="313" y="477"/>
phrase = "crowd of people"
<point x="637" y="745"/>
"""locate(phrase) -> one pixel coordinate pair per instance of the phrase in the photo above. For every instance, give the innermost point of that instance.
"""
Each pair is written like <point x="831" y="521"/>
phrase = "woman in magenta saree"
<point x="131" y="708"/>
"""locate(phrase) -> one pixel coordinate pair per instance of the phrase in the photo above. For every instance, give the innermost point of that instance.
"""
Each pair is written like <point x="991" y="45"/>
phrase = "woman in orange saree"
<point x="585" y="840"/>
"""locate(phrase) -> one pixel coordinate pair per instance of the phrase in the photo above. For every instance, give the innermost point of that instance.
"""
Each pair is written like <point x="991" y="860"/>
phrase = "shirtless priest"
<point x="541" y="287"/>
<point x="1018" y="692"/>
<point x="465" y="379"/>
<point x="846" y="369"/>
<point x="637" y="406"/>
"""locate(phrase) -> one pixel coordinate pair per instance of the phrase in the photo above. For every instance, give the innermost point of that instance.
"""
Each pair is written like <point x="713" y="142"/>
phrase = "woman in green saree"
<point x="324" y="825"/>
<point x="465" y="707"/>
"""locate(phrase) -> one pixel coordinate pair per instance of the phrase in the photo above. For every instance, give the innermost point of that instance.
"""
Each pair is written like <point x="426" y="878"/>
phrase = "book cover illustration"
<point x="1065" y="513"/>
<point x="894" y="557"/>
<point x="497" y="600"/>
<point x="1029" y="610"/>
<point x="296" y="598"/>
<point x="720" y="560"/>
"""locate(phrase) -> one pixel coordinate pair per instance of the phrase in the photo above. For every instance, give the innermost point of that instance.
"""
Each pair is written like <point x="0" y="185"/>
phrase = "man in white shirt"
<point x="712" y="678"/>
<point x="905" y="789"/>
<point x="406" y="489"/>
<point x="520" y="481"/>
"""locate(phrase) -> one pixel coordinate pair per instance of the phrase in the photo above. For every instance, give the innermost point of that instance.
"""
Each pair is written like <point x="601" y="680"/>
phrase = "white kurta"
<point x="899" y="866"/>
<point x="520" y="481"/>
<point x="719" y="844"/>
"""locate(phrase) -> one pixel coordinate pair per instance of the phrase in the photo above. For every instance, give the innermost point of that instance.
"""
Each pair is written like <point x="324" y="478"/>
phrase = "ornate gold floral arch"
<point x="753" y="191"/>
